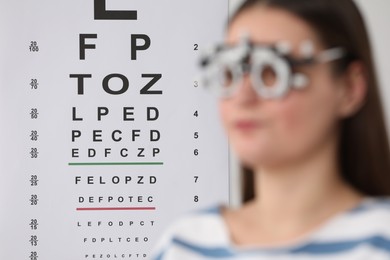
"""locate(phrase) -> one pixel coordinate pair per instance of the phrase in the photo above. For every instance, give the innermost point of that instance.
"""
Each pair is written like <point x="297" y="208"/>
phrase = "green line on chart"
<point x="113" y="163"/>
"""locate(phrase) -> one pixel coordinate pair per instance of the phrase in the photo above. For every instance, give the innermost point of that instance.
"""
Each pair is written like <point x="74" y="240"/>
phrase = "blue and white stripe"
<point x="362" y="233"/>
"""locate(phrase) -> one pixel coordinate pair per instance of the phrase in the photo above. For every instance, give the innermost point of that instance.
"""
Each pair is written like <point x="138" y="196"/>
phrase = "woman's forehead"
<point x="267" y="25"/>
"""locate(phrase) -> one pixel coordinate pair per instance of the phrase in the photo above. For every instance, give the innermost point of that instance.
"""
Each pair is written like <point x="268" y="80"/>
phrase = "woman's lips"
<point x="247" y="125"/>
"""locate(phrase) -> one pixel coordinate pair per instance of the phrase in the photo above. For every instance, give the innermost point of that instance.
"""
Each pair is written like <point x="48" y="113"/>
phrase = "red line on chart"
<point x="117" y="208"/>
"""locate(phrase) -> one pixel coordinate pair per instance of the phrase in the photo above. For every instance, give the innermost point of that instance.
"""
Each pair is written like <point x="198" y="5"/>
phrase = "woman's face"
<point x="269" y="132"/>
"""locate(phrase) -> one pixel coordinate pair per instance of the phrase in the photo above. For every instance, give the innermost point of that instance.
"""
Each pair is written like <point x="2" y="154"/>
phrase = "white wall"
<point x="377" y="16"/>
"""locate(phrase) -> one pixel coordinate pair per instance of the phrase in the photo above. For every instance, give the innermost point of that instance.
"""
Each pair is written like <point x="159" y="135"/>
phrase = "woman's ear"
<point x="355" y="84"/>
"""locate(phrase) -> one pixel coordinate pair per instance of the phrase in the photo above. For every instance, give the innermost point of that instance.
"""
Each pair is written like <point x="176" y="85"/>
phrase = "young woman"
<point x="301" y="106"/>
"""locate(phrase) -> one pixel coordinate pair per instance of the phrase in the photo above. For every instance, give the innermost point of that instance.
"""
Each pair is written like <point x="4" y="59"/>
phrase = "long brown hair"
<point x="364" y="154"/>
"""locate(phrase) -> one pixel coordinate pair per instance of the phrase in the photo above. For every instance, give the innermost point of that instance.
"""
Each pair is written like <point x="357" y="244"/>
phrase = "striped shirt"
<point x="362" y="233"/>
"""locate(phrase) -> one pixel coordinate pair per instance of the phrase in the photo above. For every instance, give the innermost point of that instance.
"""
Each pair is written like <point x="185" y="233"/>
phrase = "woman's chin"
<point x="254" y="160"/>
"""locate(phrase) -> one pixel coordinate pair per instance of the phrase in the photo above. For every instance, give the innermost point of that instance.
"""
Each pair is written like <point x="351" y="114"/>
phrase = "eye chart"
<point x="106" y="132"/>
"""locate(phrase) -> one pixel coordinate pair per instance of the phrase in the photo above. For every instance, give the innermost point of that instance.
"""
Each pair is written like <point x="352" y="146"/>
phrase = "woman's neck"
<point x="302" y="195"/>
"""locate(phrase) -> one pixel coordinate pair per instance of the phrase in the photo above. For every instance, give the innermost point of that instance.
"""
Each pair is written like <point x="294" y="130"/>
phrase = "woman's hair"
<point x="363" y="151"/>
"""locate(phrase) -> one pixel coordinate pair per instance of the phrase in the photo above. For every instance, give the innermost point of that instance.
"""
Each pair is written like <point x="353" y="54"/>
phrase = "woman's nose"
<point x="246" y="93"/>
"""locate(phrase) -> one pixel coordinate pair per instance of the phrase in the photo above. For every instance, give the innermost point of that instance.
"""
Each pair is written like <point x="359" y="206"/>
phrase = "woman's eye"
<point x="268" y="76"/>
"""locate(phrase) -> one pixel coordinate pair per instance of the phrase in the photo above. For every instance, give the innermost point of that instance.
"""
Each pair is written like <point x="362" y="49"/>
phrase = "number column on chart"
<point x="33" y="156"/>
<point x="196" y="178"/>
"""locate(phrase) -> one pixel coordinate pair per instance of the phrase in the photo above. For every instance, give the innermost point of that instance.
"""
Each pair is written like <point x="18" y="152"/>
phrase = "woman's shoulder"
<point x="374" y="212"/>
<point x="199" y="224"/>
<point x="195" y="229"/>
<point x="369" y="220"/>
<point x="372" y="208"/>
